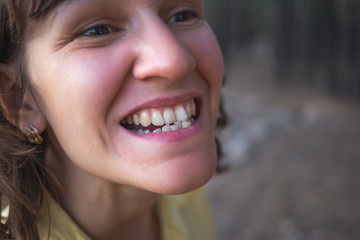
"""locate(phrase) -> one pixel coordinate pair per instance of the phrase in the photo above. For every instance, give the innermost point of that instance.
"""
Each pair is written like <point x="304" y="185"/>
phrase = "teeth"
<point x="157" y="118"/>
<point x="186" y="124"/>
<point x="188" y="110"/>
<point x="145" y="119"/>
<point x="169" y="116"/>
<point x="136" y="119"/>
<point x="175" y="127"/>
<point x="129" y="119"/>
<point x="180" y="114"/>
<point x="170" y="119"/>
<point x="157" y="130"/>
<point x="166" y="128"/>
<point x="193" y="109"/>
<point x="169" y="128"/>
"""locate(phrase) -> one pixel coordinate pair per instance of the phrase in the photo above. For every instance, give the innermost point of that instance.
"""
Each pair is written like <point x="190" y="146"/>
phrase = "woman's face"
<point x="101" y="70"/>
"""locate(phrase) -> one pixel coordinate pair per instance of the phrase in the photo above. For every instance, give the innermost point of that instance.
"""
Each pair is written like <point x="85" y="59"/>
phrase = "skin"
<point x="82" y="86"/>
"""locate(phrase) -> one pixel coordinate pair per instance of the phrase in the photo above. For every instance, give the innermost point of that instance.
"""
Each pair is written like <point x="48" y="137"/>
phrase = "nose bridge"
<point x="161" y="53"/>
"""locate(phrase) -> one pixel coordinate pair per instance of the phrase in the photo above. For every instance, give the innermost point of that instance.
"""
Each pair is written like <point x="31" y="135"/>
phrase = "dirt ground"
<point x="294" y="157"/>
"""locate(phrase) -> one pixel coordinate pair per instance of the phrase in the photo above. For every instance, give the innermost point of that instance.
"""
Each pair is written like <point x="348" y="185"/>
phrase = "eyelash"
<point x="183" y="16"/>
<point x="100" y="30"/>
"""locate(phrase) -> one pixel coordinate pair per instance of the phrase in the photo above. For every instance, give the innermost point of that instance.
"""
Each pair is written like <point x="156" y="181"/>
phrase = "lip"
<point x="161" y="102"/>
<point x="172" y="136"/>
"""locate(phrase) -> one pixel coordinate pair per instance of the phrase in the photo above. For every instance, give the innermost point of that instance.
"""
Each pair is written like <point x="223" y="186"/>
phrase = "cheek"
<point x="75" y="92"/>
<point x="209" y="62"/>
<point x="81" y="81"/>
<point x="95" y="75"/>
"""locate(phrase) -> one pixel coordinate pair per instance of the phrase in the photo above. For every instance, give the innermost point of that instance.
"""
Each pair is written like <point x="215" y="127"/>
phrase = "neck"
<point x="104" y="209"/>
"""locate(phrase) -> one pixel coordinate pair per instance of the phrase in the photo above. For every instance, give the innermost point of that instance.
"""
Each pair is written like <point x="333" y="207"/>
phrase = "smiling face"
<point x="130" y="89"/>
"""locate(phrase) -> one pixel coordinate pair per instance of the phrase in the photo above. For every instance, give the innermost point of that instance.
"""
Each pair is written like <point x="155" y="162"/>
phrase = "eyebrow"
<point x="57" y="10"/>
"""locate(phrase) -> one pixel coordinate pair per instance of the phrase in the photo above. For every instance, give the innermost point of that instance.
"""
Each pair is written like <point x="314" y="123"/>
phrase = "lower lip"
<point x="174" y="136"/>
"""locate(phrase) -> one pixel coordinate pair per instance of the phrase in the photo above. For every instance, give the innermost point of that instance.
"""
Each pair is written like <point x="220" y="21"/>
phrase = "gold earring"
<point x="33" y="135"/>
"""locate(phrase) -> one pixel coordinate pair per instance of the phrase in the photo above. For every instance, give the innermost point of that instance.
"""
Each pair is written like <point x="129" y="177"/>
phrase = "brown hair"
<point x="23" y="175"/>
<point x="22" y="170"/>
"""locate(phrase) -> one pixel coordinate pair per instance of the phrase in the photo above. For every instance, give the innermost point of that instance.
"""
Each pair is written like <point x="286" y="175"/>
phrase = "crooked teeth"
<point x="168" y="128"/>
<point x="168" y="119"/>
<point x="175" y="127"/>
<point x="157" y="130"/>
<point x="186" y="124"/>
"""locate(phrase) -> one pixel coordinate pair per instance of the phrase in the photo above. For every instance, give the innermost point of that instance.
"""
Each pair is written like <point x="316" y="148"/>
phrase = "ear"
<point x="19" y="108"/>
<point x="30" y="114"/>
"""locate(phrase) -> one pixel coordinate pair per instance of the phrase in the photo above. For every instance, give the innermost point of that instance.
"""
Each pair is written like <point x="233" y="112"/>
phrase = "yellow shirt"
<point x="182" y="217"/>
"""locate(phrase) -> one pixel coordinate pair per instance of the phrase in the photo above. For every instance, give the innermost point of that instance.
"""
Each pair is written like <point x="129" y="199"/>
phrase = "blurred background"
<point x="292" y="95"/>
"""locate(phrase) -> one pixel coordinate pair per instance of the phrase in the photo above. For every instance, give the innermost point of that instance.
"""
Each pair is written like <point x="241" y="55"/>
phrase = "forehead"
<point x="68" y="3"/>
<point x="63" y="6"/>
<point x="64" y="12"/>
<point x="67" y="7"/>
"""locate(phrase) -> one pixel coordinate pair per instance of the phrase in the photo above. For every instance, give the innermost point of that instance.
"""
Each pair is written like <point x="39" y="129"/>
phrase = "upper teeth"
<point x="168" y="119"/>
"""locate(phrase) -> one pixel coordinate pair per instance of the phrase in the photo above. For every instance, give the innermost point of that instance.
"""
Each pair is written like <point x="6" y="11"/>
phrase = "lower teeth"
<point x="168" y="128"/>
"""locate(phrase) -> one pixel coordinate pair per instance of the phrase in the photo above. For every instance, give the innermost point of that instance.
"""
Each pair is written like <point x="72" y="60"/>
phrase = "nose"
<point x="160" y="53"/>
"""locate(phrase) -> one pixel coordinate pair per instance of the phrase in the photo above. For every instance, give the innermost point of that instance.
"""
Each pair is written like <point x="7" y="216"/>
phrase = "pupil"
<point x="182" y="16"/>
<point x="101" y="30"/>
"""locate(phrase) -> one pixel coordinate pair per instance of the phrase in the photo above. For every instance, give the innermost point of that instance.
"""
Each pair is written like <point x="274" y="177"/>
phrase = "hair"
<point x="23" y="175"/>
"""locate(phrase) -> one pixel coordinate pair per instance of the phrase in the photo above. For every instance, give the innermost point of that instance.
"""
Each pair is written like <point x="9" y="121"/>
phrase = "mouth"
<point x="164" y="119"/>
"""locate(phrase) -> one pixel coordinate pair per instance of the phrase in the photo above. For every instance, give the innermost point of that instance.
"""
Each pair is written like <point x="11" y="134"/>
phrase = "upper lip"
<point x="161" y="102"/>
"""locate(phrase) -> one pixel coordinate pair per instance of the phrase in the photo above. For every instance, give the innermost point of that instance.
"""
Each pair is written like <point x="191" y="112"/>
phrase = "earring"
<point x="33" y="135"/>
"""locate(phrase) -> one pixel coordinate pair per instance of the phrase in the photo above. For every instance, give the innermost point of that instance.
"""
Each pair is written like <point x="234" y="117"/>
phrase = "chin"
<point x="182" y="175"/>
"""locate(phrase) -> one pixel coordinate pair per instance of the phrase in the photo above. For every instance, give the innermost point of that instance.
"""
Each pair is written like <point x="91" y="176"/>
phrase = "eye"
<point x="183" y="16"/>
<point x="98" y="31"/>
